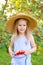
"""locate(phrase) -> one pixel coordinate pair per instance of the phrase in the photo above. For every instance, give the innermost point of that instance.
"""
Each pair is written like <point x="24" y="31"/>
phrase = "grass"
<point x="37" y="59"/>
<point x="5" y="59"/>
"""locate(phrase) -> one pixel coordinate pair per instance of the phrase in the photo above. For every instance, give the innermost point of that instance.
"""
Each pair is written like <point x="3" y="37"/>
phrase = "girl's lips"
<point x="21" y="30"/>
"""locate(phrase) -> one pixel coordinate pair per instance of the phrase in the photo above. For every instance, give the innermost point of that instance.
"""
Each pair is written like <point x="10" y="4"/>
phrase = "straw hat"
<point x="10" y="23"/>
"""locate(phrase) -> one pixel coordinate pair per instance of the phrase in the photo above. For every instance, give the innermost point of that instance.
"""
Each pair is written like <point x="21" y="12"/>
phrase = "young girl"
<point x="22" y="40"/>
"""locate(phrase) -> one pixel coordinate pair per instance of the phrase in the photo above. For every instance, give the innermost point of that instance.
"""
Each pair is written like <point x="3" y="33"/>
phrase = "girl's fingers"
<point x="12" y="54"/>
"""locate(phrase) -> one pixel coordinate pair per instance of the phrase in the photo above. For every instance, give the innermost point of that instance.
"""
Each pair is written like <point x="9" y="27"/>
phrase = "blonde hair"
<point x="15" y="31"/>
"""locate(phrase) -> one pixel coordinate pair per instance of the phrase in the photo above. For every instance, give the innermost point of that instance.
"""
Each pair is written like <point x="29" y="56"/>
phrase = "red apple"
<point x="30" y="10"/>
<point x="42" y="6"/>
<point x="37" y="31"/>
<point x="39" y="16"/>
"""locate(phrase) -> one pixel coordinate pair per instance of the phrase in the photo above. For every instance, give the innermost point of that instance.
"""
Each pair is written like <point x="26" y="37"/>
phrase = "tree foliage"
<point x="11" y="7"/>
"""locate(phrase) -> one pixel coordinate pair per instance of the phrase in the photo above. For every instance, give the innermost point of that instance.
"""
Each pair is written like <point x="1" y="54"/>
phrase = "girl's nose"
<point x="22" y="26"/>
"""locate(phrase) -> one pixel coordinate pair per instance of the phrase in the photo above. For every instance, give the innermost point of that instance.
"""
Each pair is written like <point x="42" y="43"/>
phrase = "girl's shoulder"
<point x="30" y="37"/>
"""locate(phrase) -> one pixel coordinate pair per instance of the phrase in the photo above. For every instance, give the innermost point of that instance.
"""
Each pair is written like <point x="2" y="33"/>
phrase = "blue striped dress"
<point x="21" y="43"/>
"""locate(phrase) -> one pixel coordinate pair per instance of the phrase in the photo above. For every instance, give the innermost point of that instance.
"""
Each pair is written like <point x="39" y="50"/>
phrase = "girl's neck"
<point x="21" y="35"/>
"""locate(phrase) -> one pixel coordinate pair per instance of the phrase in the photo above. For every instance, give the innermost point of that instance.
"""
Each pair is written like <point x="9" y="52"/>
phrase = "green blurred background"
<point x="11" y="7"/>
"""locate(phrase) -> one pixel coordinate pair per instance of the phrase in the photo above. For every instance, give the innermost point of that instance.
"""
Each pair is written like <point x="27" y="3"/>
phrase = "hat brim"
<point x="32" y="22"/>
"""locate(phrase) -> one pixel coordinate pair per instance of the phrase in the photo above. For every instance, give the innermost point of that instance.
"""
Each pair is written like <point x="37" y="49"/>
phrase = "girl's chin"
<point x="22" y="32"/>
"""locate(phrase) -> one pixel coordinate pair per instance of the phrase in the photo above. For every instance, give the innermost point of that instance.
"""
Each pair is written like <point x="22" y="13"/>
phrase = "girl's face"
<point x="21" y="27"/>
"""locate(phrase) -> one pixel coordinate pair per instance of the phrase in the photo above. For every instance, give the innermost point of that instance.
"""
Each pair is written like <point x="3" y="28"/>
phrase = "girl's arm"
<point x="33" y="45"/>
<point x="11" y="46"/>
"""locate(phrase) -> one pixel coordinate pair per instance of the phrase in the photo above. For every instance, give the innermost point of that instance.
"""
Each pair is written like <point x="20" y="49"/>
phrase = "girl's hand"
<point x="27" y="52"/>
<point x="11" y="54"/>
